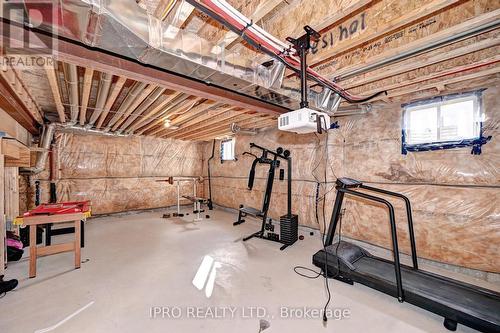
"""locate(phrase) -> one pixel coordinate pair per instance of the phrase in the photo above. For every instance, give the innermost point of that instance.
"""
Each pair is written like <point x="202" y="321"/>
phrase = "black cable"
<point x="324" y="272"/>
<point x="318" y="274"/>
<point x="296" y="268"/>
<point x="325" y="269"/>
<point x="325" y="319"/>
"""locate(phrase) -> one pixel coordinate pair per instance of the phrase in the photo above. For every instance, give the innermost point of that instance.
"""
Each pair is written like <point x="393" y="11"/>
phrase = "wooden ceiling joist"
<point x="18" y="88"/>
<point x="143" y="107"/>
<point x="163" y="8"/>
<point x="162" y="115"/>
<point x="424" y="62"/>
<point x="224" y="120"/>
<point x="194" y="112"/>
<point x="462" y="78"/>
<point x="342" y="15"/>
<point x="219" y="125"/>
<point x="394" y="25"/>
<point x="436" y="75"/>
<point x="229" y="133"/>
<point x="188" y="116"/>
<point x="138" y="100"/>
<point x="162" y="104"/>
<point x="10" y="104"/>
<point x="135" y="90"/>
<point x="54" y="87"/>
<point x="151" y="113"/>
<point x="206" y="122"/>
<point x="182" y="104"/>
<point x="190" y="124"/>
<point x="229" y="39"/>
<point x="113" y="95"/>
<point x="87" y="85"/>
<point x="252" y="123"/>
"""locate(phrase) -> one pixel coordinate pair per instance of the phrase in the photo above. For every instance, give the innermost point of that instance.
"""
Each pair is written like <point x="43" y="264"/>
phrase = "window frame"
<point x="475" y="96"/>
<point x="233" y="146"/>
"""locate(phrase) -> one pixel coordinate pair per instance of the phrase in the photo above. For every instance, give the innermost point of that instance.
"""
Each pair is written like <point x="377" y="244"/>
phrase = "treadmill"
<point x="456" y="301"/>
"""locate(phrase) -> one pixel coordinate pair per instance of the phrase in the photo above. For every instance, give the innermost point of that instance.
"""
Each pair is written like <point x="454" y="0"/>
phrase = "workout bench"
<point x="197" y="201"/>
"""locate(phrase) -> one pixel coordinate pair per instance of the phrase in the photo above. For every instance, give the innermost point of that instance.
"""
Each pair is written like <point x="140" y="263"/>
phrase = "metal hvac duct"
<point x="45" y="141"/>
<point x="158" y="91"/>
<point x="236" y="129"/>
<point x="125" y="28"/>
<point x="134" y="92"/>
<point x="85" y="130"/>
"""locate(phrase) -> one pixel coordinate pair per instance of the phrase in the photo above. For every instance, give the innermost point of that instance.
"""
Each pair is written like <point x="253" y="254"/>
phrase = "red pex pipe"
<point x="291" y="61"/>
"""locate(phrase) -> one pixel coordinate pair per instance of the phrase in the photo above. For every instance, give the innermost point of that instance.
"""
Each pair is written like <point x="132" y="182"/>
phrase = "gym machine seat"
<point x="251" y="211"/>
<point x="198" y="202"/>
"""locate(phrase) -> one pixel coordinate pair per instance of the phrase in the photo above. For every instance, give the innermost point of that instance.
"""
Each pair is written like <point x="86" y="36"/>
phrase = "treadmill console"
<point x="348" y="182"/>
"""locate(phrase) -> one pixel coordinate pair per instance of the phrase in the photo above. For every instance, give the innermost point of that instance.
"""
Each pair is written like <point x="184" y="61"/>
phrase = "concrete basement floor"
<point x="139" y="261"/>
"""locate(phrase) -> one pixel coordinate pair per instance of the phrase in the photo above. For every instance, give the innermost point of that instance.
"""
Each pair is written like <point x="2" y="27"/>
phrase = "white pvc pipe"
<point x="178" y="197"/>
<point x="194" y="195"/>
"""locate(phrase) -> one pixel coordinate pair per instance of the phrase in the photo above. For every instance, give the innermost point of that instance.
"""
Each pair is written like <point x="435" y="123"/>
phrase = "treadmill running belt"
<point x="456" y="295"/>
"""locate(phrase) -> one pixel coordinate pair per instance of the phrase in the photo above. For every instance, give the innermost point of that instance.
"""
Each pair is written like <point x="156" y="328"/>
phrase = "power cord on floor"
<point x="324" y="272"/>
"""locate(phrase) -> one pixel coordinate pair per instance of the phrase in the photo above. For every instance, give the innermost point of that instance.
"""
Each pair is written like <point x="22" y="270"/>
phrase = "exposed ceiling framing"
<point x="117" y="95"/>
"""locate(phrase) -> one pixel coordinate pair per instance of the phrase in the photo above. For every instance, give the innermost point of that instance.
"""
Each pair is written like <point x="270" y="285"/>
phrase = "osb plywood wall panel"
<point x="120" y="174"/>
<point x="382" y="16"/>
<point x="454" y="194"/>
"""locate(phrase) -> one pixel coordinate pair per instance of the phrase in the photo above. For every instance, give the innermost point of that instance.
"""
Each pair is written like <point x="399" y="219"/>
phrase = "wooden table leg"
<point x="32" y="251"/>
<point x="77" y="244"/>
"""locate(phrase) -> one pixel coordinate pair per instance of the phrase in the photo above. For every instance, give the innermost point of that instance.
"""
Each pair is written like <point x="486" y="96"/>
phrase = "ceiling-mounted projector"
<point x="304" y="120"/>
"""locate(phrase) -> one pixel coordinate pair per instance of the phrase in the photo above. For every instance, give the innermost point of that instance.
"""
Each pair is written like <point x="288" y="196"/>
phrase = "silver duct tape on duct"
<point x="124" y="28"/>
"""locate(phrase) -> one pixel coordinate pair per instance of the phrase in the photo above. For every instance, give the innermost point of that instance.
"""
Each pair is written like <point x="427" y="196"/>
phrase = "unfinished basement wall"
<point x="116" y="173"/>
<point x="454" y="194"/>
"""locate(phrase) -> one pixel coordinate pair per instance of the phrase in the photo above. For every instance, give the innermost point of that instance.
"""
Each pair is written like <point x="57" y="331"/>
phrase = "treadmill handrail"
<point x="408" y="216"/>
<point x="395" y="248"/>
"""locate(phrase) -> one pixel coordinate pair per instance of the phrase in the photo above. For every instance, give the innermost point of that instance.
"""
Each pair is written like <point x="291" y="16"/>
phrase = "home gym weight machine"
<point x="288" y="222"/>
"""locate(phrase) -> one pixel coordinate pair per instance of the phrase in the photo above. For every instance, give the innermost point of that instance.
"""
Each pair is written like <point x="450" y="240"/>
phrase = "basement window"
<point x="227" y="150"/>
<point x="444" y="122"/>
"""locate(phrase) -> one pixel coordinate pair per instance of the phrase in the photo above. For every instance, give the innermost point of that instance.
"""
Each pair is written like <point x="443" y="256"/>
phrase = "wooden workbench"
<point x="35" y="252"/>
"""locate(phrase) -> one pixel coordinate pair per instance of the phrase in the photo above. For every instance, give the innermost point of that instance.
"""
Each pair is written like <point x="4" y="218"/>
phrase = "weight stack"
<point x="289" y="229"/>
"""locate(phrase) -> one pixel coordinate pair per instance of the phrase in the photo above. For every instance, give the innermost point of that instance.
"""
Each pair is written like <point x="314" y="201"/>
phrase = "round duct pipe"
<point x="236" y="129"/>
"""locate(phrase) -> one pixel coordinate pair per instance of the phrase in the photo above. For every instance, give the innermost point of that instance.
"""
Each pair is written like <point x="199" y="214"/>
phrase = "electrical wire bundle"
<point x="223" y="12"/>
